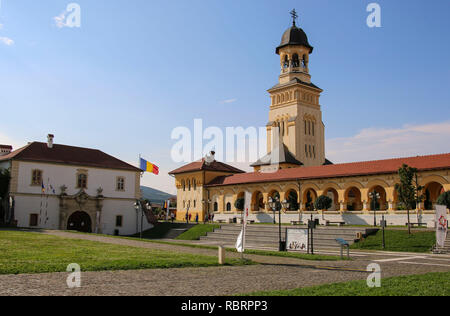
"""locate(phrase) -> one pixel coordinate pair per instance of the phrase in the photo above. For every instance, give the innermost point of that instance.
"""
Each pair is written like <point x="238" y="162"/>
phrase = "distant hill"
<point x="155" y="196"/>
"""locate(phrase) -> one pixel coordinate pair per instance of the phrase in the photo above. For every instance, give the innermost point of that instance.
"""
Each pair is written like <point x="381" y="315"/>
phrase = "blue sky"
<point x="137" y="69"/>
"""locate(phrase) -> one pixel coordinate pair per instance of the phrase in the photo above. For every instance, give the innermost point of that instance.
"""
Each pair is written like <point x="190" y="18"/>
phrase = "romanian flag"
<point x="149" y="167"/>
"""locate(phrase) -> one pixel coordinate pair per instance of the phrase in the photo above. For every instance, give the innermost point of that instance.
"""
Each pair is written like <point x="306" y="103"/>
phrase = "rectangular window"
<point x="313" y="128"/>
<point x="306" y="150"/>
<point x="34" y="220"/>
<point x="82" y="181"/>
<point x="119" y="220"/>
<point x="36" y="177"/>
<point x="120" y="185"/>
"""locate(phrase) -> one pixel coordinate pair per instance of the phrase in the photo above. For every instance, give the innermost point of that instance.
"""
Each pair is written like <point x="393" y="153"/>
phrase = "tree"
<point x="239" y="204"/>
<point x="409" y="193"/>
<point x="444" y="199"/>
<point x="323" y="202"/>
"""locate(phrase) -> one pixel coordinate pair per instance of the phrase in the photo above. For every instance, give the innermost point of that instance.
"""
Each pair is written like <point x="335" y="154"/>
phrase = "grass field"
<point x="399" y="240"/>
<point x="25" y="252"/>
<point x="197" y="231"/>
<point x="432" y="284"/>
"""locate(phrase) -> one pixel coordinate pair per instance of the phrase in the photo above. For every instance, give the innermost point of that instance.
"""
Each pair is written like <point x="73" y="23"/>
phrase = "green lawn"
<point x="399" y="240"/>
<point x="26" y="252"/>
<point x="197" y="231"/>
<point x="431" y="284"/>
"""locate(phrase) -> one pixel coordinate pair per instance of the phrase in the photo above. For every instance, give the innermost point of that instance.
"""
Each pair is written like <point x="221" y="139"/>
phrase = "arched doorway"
<point x="334" y="196"/>
<point x="258" y="204"/>
<point x="353" y="199"/>
<point x="381" y="203"/>
<point x="80" y="221"/>
<point x="432" y="191"/>
<point x="292" y="198"/>
<point x="309" y="197"/>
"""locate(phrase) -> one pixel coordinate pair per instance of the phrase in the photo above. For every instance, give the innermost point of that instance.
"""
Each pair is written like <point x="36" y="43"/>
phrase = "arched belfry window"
<point x="295" y="61"/>
<point x="286" y="62"/>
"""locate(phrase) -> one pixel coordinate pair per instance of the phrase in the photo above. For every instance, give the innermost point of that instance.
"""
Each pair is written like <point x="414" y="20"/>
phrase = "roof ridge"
<point x="387" y="159"/>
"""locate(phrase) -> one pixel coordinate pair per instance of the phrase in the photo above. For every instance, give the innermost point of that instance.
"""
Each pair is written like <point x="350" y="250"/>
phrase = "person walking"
<point x="172" y="217"/>
<point x="190" y="216"/>
<point x="196" y="218"/>
<point x="187" y="217"/>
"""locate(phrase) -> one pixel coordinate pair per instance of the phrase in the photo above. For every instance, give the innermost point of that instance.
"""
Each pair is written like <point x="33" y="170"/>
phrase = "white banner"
<point x="297" y="239"/>
<point x="441" y="225"/>
<point x="240" y="243"/>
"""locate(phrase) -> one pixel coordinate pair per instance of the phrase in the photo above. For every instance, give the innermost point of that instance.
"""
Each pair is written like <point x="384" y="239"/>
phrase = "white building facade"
<point x="70" y="188"/>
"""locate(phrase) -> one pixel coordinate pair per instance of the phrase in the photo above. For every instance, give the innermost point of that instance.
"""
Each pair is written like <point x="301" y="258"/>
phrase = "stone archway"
<point x="80" y="221"/>
<point x="81" y="203"/>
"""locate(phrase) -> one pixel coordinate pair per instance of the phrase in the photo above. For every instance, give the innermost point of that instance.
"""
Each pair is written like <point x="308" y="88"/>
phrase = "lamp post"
<point x="374" y="196"/>
<point x="138" y="206"/>
<point x="272" y="205"/>
<point x="275" y="205"/>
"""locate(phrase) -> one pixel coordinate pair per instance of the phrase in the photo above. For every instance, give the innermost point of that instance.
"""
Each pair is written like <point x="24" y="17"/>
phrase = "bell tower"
<point x="295" y="111"/>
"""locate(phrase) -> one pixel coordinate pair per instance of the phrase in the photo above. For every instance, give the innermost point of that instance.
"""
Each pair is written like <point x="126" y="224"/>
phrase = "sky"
<point x="135" y="70"/>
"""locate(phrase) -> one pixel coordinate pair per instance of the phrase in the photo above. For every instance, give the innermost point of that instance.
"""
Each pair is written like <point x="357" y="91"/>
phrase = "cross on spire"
<point x="294" y="16"/>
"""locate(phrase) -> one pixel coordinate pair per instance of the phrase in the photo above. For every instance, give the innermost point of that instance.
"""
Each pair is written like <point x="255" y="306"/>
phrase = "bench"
<point x="416" y="224"/>
<point x="344" y="244"/>
<point x="248" y="221"/>
<point x="339" y="223"/>
<point x="221" y="221"/>
<point x="296" y="223"/>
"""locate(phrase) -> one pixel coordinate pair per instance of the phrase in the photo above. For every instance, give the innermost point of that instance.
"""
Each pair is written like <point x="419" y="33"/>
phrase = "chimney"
<point x="50" y="140"/>
<point x="5" y="150"/>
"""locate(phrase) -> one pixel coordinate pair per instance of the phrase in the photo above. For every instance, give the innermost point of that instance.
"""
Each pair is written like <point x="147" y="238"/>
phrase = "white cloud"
<point x="385" y="143"/>
<point x="7" y="41"/>
<point x="228" y="101"/>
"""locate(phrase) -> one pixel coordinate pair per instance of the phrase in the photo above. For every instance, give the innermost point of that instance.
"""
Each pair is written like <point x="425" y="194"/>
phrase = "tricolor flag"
<point x="149" y="167"/>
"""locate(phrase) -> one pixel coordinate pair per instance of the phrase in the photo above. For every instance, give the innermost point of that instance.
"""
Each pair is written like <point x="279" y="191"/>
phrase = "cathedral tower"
<point x="295" y="113"/>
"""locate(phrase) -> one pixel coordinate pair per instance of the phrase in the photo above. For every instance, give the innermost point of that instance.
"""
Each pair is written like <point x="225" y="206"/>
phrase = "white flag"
<point x="240" y="242"/>
<point x="441" y="225"/>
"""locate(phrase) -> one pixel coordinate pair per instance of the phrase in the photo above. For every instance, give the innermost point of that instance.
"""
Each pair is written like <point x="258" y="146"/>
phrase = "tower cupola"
<point x="294" y="51"/>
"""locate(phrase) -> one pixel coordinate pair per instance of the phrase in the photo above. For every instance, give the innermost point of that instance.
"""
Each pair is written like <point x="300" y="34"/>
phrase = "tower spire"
<point x="294" y="16"/>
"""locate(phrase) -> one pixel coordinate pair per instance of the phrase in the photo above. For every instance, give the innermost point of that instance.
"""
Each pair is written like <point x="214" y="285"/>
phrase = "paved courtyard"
<point x="273" y="273"/>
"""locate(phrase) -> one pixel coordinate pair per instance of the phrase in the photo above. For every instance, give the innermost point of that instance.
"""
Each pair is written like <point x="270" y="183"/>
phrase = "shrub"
<point x="444" y="199"/>
<point x="323" y="202"/>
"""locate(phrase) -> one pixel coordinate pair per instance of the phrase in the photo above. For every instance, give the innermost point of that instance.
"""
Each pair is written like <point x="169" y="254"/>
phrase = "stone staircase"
<point x="446" y="249"/>
<point x="266" y="237"/>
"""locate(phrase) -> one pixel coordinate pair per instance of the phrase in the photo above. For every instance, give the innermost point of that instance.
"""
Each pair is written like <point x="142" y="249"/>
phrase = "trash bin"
<point x="282" y="246"/>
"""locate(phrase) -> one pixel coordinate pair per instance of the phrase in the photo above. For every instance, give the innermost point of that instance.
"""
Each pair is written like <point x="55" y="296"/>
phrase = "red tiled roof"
<point x="201" y="165"/>
<point x="67" y="155"/>
<point x="422" y="163"/>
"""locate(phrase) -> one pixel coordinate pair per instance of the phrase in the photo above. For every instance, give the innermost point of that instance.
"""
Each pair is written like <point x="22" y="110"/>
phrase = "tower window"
<point x="295" y="61"/>
<point x="313" y="127"/>
<point x="306" y="150"/>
